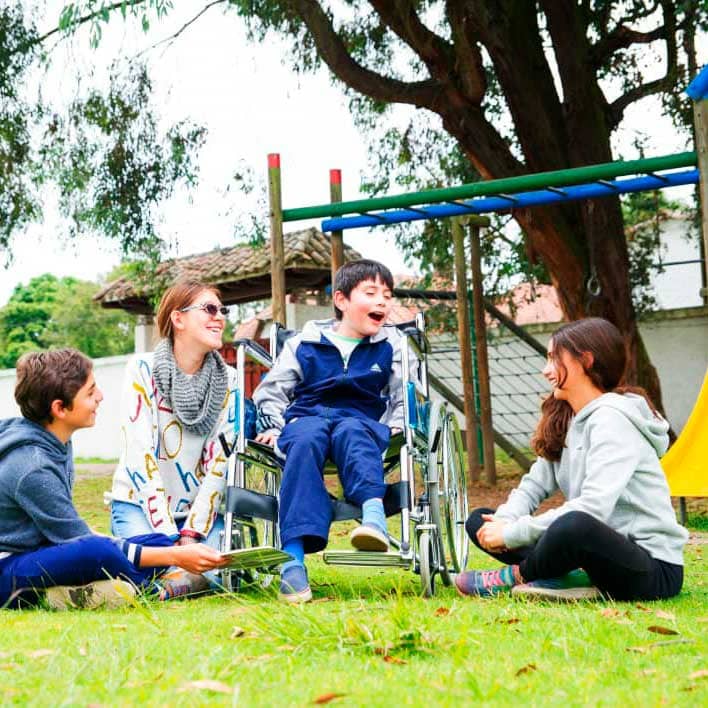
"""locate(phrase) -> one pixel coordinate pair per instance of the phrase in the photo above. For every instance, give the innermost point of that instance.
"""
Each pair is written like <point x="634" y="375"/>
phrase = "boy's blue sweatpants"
<point x="76" y="562"/>
<point x="355" y="445"/>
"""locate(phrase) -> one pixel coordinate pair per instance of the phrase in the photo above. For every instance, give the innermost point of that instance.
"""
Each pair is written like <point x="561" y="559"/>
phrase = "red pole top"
<point x="273" y="160"/>
<point x="335" y="176"/>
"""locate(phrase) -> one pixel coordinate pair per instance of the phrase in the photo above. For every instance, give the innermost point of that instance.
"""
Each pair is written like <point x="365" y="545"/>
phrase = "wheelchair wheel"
<point x="436" y="488"/>
<point x="448" y="498"/>
<point x="252" y="532"/>
<point x="454" y="485"/>
<point x="427" y="563"/>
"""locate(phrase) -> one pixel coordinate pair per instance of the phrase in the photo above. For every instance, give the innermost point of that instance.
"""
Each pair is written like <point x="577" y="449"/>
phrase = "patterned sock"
<point x="373" y="514"/>
<point x="296" y="548"/>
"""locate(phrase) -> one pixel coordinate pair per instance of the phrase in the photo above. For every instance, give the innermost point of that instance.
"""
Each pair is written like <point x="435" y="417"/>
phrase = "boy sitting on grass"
<point x="46" y="549"/>
<point x="335" y="393"/>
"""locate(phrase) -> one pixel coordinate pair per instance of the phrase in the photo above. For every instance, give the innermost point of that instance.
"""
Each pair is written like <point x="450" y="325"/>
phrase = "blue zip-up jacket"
<point x="310" y="378"/>
<point x="36" y="480"/>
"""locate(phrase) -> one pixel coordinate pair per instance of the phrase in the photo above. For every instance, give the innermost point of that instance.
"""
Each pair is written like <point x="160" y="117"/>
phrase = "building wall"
<point x="101" y="440"/>
<point x="677" y="341"/>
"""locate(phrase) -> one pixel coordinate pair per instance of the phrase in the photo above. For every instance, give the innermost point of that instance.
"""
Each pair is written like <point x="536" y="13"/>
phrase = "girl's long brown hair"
<point x="604" y="342"/>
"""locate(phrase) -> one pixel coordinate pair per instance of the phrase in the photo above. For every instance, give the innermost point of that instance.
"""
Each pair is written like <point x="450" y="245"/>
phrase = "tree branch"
<point x="618" y="106"/>
<point x="622" y="37"/>
<point x="666" y="83"/>
<point x="332" y="50"/>
<point x="185" y="26"/>
<point x="91" y="16"/>
<point x="401" y="17"/>
<point x="469" y="66"/>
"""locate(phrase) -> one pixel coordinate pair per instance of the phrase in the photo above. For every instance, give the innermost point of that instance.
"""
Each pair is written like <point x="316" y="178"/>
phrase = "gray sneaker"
<point x="575" y="586"/>
<point x="107" y="594"/>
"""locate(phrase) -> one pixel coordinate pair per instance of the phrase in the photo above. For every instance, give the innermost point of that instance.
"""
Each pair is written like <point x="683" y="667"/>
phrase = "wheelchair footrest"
<point x="367" y="558"/>
<point x="257" y="557"/>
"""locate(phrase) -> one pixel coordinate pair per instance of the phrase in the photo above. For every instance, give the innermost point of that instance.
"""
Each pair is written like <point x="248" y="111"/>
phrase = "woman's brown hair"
<point x="179" y="295"/>
<point x="604" y="342"/>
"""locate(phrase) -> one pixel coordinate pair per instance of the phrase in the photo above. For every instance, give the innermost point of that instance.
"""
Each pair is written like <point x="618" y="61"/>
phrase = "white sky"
<point x="252" y="104"/>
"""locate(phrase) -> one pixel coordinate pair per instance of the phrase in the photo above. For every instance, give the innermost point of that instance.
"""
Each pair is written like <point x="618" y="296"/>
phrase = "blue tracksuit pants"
<point x="355" y="445"/>
<point x="76" y="562"/>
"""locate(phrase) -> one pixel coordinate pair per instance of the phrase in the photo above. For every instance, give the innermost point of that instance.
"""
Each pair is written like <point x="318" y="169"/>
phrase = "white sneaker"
<point x="107" y="594"/>
<point x="369" y="538"/>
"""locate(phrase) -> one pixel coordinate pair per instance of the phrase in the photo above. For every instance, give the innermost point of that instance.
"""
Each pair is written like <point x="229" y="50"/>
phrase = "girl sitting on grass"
<point x="600" y="444"/>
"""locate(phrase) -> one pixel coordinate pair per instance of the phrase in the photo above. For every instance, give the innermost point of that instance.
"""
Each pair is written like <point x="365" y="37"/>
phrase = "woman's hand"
<point x="268" y="438"/>
<point x="491" y="534"/>
<point x="198" y="558"/>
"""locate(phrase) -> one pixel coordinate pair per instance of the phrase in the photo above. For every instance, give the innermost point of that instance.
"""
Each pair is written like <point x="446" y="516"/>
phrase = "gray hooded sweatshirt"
<point x="36" y="479"/>
<point x="609" y="469"/>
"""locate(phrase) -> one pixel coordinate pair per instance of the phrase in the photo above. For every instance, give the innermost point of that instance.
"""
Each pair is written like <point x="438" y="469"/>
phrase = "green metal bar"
<point x="507" y="185"/>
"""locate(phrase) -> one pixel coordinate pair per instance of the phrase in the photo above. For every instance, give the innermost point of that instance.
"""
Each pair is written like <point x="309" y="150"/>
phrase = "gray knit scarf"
<point x="196" y="400"/>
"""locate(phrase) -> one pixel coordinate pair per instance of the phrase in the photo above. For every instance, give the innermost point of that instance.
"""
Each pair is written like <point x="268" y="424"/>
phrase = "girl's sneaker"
<point x="485" y="583"/>
<point x="181" y="583"/>
<point x="571" y="587"/>
<point x="107" y="594"/>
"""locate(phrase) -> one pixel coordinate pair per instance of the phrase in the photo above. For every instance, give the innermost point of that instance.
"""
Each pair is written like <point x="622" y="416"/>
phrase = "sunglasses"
<point x="210" y="308"/>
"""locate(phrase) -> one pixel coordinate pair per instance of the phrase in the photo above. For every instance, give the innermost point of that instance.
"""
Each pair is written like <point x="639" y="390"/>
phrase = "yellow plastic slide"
<point x="686" y="463"/>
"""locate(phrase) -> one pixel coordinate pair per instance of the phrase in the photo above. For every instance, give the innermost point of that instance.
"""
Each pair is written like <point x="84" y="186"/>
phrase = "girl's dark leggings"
<point x="618" y="567"/>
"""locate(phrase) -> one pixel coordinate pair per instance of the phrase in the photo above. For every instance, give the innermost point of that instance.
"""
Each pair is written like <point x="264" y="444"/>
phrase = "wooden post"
<point x="480" y="328"/>
<point x="337" y="240"/>
<point x="700" y="121"/>
<point x="463" y="335"/>
<point x="277" y="252"/>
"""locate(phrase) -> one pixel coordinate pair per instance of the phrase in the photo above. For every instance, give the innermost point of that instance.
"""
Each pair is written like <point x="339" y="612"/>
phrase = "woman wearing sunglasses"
<point x="176" y="401"/>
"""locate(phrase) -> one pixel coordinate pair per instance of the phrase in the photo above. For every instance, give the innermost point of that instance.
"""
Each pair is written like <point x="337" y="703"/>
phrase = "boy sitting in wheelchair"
<point x="334" y="393"/>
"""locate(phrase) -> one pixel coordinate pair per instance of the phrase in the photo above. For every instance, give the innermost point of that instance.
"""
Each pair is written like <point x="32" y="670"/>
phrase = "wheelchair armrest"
<point x="262" y="448"/>
<point x="255" y="351"/>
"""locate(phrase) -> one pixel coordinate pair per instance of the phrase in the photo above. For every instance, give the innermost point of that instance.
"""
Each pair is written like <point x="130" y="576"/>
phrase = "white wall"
<point x="102" y="439"/>
<point x="678" y="347"/>
<point x="678" y="286"/>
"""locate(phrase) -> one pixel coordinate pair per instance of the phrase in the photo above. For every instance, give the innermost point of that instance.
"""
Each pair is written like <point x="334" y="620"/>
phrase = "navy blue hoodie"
<point x="36" y="479"/>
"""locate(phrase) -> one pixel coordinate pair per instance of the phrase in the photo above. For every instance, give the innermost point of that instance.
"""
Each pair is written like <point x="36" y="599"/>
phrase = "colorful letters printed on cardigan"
<point x="169" y="472"/>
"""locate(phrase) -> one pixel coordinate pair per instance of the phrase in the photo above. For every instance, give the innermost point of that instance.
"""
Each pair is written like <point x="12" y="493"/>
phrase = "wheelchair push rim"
<point x="448" y="491"/>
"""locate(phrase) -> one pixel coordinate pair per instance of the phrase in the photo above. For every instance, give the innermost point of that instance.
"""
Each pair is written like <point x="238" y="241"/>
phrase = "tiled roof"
<point x="241" y="272"/>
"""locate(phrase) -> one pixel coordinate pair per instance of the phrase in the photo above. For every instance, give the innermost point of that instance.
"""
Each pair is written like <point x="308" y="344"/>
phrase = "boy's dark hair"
<point x="43" y="377"/>
<point x="355" y="272"/>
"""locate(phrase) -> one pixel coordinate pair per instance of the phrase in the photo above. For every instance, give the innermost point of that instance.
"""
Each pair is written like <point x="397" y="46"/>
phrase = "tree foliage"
<point x="60" y="312"/>
<point x="111" y="165"/>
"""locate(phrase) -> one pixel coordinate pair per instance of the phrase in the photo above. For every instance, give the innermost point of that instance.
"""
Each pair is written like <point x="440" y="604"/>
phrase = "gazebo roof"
<point x="242" y="272"/>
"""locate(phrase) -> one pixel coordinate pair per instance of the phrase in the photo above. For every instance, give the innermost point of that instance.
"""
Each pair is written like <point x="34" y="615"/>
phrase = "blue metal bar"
<point x="698" y="88"/>
<point x="521" y="200"/>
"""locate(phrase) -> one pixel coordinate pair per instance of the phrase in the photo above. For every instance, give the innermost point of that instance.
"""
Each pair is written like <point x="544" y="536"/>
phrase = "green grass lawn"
<point x="367" y="639"/>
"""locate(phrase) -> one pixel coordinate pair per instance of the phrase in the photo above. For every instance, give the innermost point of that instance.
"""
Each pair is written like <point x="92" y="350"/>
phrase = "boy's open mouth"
<point x="376" y="316"/>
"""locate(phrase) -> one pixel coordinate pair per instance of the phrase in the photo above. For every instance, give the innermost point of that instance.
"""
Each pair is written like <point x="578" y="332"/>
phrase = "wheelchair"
<point x="424" y="471"/>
